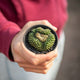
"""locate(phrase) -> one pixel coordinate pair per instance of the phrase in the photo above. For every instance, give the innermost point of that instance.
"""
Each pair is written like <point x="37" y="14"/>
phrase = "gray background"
<point x="70" y="67"/>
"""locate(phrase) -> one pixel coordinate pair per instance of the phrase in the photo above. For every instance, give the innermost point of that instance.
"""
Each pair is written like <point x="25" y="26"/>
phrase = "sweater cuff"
<point x="8" y="31"/>
<point x="14" y="31"/>
<point x="10" y="54"/>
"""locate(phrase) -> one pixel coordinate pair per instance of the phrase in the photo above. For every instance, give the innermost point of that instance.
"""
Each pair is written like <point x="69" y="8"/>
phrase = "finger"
<point x="51" y="60"/>
<point x="28" y="55"/>
<point x="40" y="22"/>
<point x="46" y="57"/>
<point x="44" y="71"/>
<point x="36" y="59"/>
<point x="33" y="66"/>
<point x="41" y="58"/>
<point x="34" y="70"/>
<point x="47" y="23"/>
<point x="18" y="58"/>
<point x="47" y="62"/>
<point x="52" y="54"/>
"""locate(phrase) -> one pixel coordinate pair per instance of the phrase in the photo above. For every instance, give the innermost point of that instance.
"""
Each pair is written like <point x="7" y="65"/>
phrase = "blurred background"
<point x="70" y="66"/>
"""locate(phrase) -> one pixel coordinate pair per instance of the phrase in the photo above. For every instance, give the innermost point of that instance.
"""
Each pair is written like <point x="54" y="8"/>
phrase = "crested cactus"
<point x="41" y="39"/>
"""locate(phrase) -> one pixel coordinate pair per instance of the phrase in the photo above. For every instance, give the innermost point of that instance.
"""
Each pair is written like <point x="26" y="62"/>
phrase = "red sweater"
<point x="15" y="13"/>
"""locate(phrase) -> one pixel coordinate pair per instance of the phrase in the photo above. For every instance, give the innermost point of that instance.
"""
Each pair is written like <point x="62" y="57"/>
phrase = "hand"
<point x="29" y="61"/>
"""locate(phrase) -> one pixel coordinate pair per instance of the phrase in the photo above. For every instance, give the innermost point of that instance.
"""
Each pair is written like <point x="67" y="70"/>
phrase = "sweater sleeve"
<point x="8" y="30"/>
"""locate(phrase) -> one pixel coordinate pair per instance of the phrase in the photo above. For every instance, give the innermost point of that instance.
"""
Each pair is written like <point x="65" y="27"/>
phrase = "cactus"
<point x="41" y="39"/>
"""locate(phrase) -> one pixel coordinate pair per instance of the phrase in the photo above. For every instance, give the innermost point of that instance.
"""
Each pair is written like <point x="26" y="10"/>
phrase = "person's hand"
<point x="29" y="61"/>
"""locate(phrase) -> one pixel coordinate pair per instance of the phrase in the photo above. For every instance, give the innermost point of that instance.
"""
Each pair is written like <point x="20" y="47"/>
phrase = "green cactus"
<point x="41" y="39"/>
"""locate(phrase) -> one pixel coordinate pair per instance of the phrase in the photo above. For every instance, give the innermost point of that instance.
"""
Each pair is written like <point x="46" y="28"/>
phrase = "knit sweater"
<point x="14" y="14"/>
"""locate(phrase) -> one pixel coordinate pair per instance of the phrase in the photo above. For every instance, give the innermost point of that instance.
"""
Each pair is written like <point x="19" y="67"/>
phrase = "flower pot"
<point x="31" y="48"/>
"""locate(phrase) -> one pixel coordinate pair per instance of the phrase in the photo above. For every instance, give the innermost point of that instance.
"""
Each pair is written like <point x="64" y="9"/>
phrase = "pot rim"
<point x="29" y="47"/>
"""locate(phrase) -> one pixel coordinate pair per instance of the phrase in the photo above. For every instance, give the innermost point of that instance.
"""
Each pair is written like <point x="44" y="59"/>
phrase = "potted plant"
<point x="40" y="39"/>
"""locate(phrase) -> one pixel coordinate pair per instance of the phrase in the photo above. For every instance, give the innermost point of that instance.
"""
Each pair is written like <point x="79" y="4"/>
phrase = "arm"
<point x="29" y="61"/>
<point x="11" y="35"/>
<point x="8" y="30"/>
